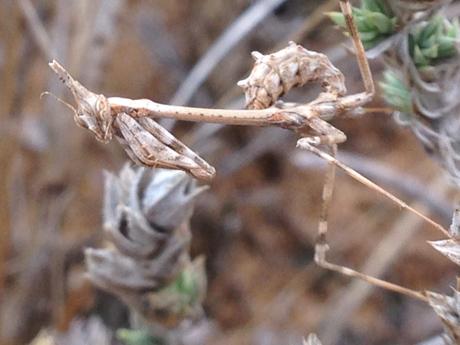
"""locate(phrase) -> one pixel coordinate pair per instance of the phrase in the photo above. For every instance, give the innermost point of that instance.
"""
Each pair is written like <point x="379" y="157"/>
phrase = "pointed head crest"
<point x="93" y="111"/>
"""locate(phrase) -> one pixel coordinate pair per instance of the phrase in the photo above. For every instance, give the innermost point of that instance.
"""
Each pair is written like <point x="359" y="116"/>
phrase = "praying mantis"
<point x="149" y="144"/>
<point x="273" y="75"/>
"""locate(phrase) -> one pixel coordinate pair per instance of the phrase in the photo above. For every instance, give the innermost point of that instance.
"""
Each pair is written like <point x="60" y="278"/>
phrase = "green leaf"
<point x="338" y="18"/>
<point x="368" y="36"/>
<point x="372" y="43"/>
<point x="394" y="23"/>
<point x="371" y="5"/>
<point x="391" y="78"/>
<point x="187" y="289"/>
<point x="373" y="19"/>
<point x="395" y="92"/>
<point x="432" y="41"/>
<point x="447" y="47"/>
<point x="453" y="28"/>
<point x="430" y="52"/>
<point x="363" y="24"/>
<point x="418" y="57"/>
<point x="430" y="29"/>
<point x="136" y="337"/>
<point x="380" y="21"/>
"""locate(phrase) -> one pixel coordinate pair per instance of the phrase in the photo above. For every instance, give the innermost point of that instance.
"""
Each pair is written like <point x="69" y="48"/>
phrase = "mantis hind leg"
<point x="330" y="136"/>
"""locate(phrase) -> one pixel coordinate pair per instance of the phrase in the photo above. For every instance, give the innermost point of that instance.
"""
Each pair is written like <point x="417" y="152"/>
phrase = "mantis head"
<point x="93" y="111"/>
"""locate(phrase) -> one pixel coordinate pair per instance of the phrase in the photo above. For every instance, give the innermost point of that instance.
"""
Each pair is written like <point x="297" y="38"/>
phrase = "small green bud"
<point x="395" y="92"/>
<point x="375" y="6"/>
<point x="381" y="22"/>
<point x="368" y="36"/>
<point x="374" y="21"/>
<point x="136" y="337"/>
<point x="432" y="41"/>
<point x="337" y="18"/>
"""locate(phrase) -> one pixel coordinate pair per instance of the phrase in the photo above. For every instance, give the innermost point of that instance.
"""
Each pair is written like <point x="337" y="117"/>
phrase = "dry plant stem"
<point x="365" y="181"/>
<point x="371" y="280"/>
<point x="360" y="52"/>
<point x="263" y="117"/>
<point x="386" y="111"/>
<point x="384" y="176"/>
<point x="343" y="305"/>
<point x="328" y="190"/>
<point x="291" y="117"/>
<point x="322" y="247"/>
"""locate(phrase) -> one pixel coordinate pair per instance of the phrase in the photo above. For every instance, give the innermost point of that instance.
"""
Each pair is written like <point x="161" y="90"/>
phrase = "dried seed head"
<point x="146" y="215"/>
<point x="93" y="111"/>
<point x="145" y="207"/>
<point x="448" y="309"/>
<point x="275" y="74"/>
<point x="90" y="330"/>
<point x="450" y="248"/>
<point x="312" y="340"/>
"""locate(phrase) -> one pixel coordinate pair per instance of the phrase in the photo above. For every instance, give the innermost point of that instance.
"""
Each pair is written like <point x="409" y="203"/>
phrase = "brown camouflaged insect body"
<point x="275" y="74"/>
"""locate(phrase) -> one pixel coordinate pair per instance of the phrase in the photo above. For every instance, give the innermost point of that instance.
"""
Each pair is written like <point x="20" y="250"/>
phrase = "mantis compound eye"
<point x="104" y="119"/>
<point x="79" y="119"/>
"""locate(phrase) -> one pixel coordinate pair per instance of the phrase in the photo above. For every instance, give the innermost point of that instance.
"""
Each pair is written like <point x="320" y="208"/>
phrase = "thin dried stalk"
<point x="365" y="181"/>
<point x="422" y="84"/>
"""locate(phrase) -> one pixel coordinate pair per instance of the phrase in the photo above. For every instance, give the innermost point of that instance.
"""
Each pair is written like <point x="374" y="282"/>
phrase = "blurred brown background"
<point x="256" y="224"/>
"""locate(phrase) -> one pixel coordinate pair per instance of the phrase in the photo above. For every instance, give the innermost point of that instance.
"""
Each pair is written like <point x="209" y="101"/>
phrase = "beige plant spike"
<point x="312" y="340"/>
